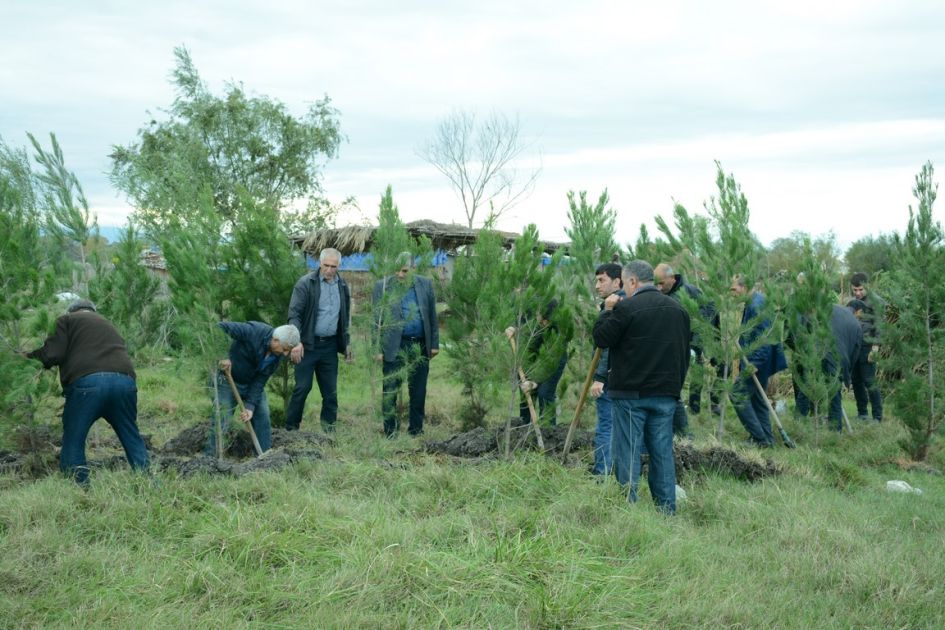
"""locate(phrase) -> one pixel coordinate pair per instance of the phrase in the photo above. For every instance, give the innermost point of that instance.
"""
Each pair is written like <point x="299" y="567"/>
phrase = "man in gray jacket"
<point x="321" y="309"/>
<point x="407" y="330"/>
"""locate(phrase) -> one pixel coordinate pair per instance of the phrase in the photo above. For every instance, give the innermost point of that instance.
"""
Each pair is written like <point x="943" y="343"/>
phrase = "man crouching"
<point x="648" y="337"/>
<point x="255" y="353"/>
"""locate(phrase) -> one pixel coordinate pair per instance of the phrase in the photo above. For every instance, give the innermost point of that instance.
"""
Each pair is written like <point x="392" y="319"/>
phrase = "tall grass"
<point x="377" y="534"/>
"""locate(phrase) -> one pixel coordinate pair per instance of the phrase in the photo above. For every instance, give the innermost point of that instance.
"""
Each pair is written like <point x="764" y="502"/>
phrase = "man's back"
<point x="648" y="337"/>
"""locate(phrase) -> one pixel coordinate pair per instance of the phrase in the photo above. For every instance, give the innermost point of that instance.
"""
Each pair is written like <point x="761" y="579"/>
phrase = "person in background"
<point x="865" y="388"/>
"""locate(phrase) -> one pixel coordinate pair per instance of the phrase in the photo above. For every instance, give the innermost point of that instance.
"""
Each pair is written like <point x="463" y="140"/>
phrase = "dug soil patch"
<point x="287" y="447"/>
<point x="483" y="442"/>
<point x="486" y="442"/>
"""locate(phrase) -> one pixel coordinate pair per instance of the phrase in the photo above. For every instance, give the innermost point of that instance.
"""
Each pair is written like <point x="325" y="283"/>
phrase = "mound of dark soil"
<point x="690" y="459"/>
<point x="193" y="440"/>
<point x="482" y="441"/>
<point x="287" y="447"/>
<point x="272" y="460"/>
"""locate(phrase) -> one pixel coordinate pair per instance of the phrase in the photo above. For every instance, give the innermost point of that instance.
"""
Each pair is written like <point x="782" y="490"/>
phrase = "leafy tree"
<point x="243" y="151"/>
<point x="478" y="155"/>
<point x="784" y="254"/>
<point x="871" y="254"/>
<point x="915" y="345"/>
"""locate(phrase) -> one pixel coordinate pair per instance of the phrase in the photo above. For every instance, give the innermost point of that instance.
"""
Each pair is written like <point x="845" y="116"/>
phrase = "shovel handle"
<point x="528" y="398"/>
<point x="580" y="403"/>
<point x="239" y="402"/>
<point x="788" y="442"/>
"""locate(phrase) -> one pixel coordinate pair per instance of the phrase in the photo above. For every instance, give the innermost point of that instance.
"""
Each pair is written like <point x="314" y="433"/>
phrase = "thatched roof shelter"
<point x="358" y="238"/>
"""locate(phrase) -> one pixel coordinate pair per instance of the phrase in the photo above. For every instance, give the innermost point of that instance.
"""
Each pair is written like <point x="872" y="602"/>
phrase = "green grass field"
<point x="379" y="535"/>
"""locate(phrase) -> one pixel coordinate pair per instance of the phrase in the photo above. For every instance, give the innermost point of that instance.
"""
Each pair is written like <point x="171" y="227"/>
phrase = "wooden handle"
<point x="239" y="401"/>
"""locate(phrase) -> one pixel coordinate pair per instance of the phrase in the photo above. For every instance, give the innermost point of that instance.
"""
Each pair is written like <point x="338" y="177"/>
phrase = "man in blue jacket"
<point x="766" y="359"/>
<point x="407" y="330"/>
<point x="255" y="353"/>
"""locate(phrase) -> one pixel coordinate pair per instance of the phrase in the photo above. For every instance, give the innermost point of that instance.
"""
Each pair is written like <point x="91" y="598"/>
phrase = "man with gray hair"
<point x="321" y="309"/>
<point x="98" y="381"/>
<point x="648" y="337"/>
<point x="255" y="354"/>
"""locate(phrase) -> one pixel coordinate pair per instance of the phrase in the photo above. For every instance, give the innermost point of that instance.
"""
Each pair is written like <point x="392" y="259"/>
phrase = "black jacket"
<point x="648" y="336"/>
<point x="303" y="309"/>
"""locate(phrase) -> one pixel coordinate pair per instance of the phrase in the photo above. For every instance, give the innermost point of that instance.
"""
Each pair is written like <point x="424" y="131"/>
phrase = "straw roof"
<point x="358" y="238"/>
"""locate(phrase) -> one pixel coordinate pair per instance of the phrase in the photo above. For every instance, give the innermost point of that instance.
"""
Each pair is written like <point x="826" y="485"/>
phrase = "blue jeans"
<point x="545" y="396"/>
<point x="603" y="462"/>
<point x="646" y="421"/>
<point x="320" y="361"/>
<point x="411" y="359"/>
<point x="260" y="421"/>
<point x="108" y="395"/>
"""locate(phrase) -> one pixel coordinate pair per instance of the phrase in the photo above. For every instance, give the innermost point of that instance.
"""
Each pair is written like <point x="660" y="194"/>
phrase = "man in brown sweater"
<point x="98" y="381"/>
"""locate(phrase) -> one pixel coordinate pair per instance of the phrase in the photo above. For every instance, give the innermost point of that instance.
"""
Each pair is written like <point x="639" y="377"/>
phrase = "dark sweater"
<point x="648" y="337"/>
<point x="84" y="343"/>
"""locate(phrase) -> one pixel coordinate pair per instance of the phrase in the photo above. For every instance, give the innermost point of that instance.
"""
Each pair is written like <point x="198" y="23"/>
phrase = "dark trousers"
<point x="412" y="361"/>
<point x="680" y="420"/>
<point x="106" y="395"/>
<point x="752" y="409"/>
<point x="803" y="406"/>
<point x="695" y="381"/>
<point x="865" y="389"/>
<point x="545" y="397"/>
<point x="320" y="361"/>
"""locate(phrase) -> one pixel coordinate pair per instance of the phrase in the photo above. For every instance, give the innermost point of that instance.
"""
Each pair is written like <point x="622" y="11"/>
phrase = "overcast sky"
<point x="824" y="111"/>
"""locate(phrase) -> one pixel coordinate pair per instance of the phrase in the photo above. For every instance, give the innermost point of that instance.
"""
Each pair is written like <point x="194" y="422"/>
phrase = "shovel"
<point x="239" y="401"/>
<point x="580" y="404"/>
<point x="528" y="398"/>
<point x="788" y="442"/>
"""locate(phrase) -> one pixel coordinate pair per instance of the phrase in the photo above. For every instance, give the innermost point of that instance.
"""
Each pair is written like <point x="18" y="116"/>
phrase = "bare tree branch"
<point x="477" y="156"/>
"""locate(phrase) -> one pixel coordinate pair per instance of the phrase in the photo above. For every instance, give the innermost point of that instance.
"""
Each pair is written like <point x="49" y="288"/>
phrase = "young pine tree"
<point x="711" y="251"/>
<point x="27" y="284"/>
<point x="591" y="231"/>
<point x="391" y="243"/>
<point x="808" y="307"/>
<point x="915" y="346"/>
